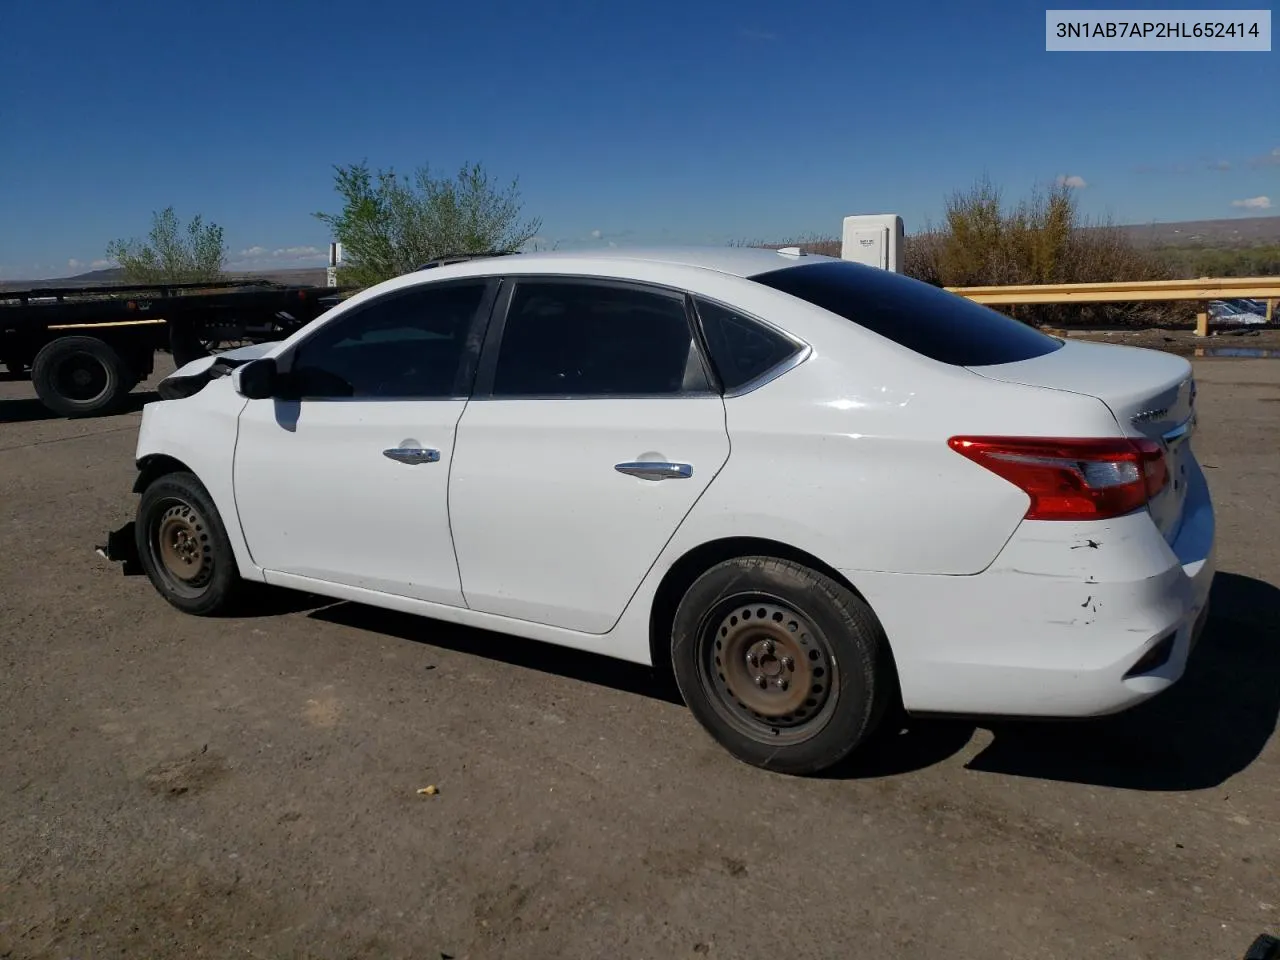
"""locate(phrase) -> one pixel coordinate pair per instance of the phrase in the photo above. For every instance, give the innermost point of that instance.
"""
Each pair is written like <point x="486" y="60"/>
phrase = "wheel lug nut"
<point x="780" y="683"/>
<point x="753" y="659"/>
<point x="761" y="682"/>
<point x="767" y="646"/>
<point x="789" y="663"/>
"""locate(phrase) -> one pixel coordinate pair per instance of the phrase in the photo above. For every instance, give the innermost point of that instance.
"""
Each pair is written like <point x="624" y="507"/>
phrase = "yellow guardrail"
<point x="1202" y="289"/>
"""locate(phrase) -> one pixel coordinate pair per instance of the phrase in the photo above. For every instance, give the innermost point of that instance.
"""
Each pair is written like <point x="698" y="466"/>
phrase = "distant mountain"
<point x="1229" y="232"/>
<point x="93" y="278"/>
<point x="301" y="277"/>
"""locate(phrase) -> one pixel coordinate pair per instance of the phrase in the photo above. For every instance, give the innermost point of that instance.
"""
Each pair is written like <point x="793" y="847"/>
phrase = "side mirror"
<point x="259" y="379"/>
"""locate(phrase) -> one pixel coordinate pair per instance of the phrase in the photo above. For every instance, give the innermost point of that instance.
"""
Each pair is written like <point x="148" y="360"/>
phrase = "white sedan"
<point x="814" y="489"/>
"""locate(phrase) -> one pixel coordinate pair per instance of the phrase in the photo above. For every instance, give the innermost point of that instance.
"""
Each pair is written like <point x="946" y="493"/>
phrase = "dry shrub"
<point x="1043" y="239"/>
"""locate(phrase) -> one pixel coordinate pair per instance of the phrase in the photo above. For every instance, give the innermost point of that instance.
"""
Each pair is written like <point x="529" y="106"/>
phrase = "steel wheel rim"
<point x="181" y="547"/>
<point x="750" y="638"/>
<point x="81" y="377"/>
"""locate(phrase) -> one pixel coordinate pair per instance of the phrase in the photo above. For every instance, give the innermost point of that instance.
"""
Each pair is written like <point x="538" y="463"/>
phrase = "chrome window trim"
<point x="774" y="372"/>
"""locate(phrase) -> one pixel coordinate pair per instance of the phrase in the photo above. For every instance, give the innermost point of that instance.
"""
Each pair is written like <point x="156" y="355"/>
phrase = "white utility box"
<point x="876" y="239"/>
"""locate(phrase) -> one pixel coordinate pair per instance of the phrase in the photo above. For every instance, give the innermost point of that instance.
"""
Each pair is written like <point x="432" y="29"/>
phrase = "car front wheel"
<point x="183" y="546"/>
<point x="782" y="665"/>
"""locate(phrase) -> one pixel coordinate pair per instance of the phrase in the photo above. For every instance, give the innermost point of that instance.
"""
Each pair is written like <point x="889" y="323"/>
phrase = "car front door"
<point x="345" y="478"/>
<point x="592" y="432"/>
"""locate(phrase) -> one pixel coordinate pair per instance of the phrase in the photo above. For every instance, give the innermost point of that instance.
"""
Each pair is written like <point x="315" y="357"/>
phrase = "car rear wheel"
<point x="782" y="665"/>
<point x="183" y="546"/>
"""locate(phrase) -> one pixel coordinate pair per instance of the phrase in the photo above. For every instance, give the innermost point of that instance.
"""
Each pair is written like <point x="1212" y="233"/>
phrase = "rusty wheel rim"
<point x="181" y="544"/>
<point x="769" y="669"/>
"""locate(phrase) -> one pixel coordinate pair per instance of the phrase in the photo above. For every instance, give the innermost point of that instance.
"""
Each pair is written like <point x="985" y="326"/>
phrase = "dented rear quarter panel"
<point x="846" y="457"/>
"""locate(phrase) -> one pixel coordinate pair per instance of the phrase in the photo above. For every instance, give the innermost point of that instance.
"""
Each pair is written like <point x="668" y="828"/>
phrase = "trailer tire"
<point x="81" y="376"/>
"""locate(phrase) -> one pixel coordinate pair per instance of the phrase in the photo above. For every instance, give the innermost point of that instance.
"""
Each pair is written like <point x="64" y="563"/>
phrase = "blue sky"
<point x="692" y="122"/>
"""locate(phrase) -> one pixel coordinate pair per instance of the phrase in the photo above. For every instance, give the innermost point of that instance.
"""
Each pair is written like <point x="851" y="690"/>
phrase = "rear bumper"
<point x="1072" y="620"/>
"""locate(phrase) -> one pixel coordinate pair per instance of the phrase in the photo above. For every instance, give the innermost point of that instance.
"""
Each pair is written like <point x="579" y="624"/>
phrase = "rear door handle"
<point x="412" y="455"/>
<point x="651" y="470"/>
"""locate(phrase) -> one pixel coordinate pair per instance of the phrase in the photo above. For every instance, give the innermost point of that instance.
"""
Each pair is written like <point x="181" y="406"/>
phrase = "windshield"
<point x="920" y="317"/>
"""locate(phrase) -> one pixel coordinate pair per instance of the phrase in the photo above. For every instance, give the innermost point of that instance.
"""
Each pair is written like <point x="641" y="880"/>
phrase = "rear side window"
<point x="920" y="317"/>
<point x="575" y="338"/>
<point x="742" y="349"/>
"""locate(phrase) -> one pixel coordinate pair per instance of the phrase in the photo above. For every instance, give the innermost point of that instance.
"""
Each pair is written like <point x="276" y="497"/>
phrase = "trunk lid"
<point x="1150" y="393"/>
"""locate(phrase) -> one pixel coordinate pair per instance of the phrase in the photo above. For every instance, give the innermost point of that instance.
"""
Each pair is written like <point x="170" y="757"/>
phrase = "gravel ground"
<point x="177" y="787"/>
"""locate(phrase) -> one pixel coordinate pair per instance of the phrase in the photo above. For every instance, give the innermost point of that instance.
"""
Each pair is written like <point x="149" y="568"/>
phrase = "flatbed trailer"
<point x="86" y="348"/>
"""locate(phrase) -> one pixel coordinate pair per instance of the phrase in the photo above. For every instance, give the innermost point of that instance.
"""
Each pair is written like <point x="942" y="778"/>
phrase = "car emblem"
<point x="1146" y="416"/>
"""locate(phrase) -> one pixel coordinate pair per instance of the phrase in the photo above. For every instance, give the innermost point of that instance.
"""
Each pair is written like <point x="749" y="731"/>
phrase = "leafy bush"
<point x="169" y="256"/>
<point x="389" y="226"/>
<point x="1258" y="261"/>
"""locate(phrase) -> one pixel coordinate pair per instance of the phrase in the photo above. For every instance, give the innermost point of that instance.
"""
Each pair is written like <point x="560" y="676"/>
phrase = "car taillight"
<point x="1071" y="479"/>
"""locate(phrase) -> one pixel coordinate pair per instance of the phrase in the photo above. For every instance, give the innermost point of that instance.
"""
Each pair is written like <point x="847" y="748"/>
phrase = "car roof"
<point x="735" y="261"/>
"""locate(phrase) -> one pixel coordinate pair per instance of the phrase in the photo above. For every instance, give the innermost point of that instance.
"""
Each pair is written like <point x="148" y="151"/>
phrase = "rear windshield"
<point x="918" y="316"/>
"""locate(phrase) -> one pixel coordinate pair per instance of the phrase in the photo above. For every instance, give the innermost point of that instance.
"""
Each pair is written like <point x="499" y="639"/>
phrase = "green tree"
<point x="390" y="225"/>
<point x="171" y="254"/>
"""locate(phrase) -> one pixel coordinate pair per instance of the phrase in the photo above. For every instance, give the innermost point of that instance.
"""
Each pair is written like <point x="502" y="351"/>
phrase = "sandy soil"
<point x="176" y="787"/>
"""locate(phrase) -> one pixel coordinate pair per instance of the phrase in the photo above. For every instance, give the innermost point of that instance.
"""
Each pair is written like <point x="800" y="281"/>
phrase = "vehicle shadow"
<point x="530" y="654"/>
<point x="1210" y="726"/>
<point x="31" y="410"/>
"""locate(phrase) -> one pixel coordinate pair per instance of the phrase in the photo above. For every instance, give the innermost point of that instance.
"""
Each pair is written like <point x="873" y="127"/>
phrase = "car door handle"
<point x="412" y="454"/>
<point x="651" y="470"/>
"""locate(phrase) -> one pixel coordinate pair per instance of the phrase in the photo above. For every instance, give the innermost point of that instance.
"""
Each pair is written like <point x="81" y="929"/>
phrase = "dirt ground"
<point x="178" y="787"/>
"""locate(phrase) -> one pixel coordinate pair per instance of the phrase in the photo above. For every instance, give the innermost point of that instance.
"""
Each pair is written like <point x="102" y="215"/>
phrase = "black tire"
<point x="817" y="646"/>
<point x="81" y="376"/>
<point x="183" y="546"/>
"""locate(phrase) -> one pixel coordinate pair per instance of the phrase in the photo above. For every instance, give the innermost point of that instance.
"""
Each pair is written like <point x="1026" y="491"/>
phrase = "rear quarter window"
<point x="914" y="314"/>
<point x="742" y="350"/>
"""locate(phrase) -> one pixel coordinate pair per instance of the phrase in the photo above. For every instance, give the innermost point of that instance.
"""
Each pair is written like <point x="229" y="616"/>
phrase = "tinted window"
<point x="741" y="348"/>
<point x="921" y="317"/>
<point x="581" y="339"/>
<point x="407" y="345"/>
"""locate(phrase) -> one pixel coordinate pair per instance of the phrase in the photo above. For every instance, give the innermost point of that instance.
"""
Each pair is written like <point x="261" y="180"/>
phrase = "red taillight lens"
<point x="1069" y="479"/>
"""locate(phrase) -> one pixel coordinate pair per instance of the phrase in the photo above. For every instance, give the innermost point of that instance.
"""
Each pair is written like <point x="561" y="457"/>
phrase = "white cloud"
<point x="74" y="264"/>
<point x="260" y="256"/>
<point x="597" y="234"/>
<point x="1253" y="203"/>
<point x="1073" y="182"/>
<point x="1220" y="165"/>
<point x="101" y="264"/>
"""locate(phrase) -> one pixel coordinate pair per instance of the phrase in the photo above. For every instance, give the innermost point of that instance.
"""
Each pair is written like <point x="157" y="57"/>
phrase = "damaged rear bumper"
<point x="1074" y="619"/>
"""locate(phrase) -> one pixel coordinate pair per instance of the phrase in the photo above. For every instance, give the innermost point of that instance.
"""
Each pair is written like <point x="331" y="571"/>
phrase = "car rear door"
<point x="346" y="482"/>
<point x="593" y="430"/>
